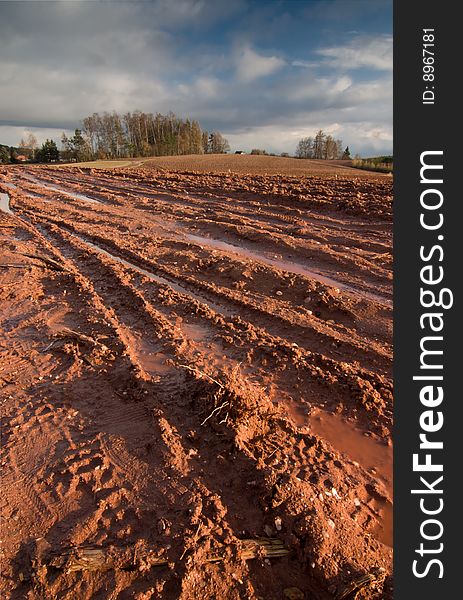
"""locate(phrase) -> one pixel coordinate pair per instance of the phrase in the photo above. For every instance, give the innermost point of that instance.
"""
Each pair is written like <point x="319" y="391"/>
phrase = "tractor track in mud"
<point x="225" y="221"/>
<point x="185" y="396"/>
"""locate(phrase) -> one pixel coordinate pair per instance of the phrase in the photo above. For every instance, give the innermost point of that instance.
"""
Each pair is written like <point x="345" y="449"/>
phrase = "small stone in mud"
<point x="293" y="593"/>
<point x="278" y="523"/>
<point x="279" y="293"/>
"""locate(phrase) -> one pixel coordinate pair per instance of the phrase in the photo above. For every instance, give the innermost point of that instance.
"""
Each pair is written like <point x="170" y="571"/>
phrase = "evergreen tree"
<point x="48" y="152"/>
<point x="346" y="154"/>
<point x="80" y="146"/>
<point x="4" y="155"/>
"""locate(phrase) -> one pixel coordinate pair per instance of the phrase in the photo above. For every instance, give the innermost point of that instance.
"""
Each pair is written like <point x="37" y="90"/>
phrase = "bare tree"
<point x="31" y="141"/>
<point x="146" y="134"/>
<point x="218" y="144"/>
<point x="323" y="146"/>
<point x="305" y="148"/>
<point x="29" y="145"/>
<point x="319" y="145"/>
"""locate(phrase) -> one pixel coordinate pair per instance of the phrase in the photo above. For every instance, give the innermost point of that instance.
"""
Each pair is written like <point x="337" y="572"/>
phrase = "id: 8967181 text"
<point x="429" y="74"/>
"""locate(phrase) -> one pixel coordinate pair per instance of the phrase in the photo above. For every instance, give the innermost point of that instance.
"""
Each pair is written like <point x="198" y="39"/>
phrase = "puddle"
<point x="5" y="204"/>
<point x="193" y="331"/>
<point x="374" y="456"/>
<point x="41" y="197"/>
<point x="61" y="190"/>
<point x="383" y="530"/>
<point x="342" y="435"/>
<point x="297" y="412"/>
<point x="152" y="361"/>
<point x="58" y="319"/>
<point x="157" y="278"/>
<point x="281" y="264"/>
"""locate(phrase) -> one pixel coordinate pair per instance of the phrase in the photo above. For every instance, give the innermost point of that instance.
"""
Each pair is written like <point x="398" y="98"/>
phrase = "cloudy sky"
<point x="264" y="73"/>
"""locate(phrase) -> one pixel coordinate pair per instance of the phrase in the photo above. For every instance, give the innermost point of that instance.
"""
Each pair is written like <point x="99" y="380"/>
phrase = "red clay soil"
<point x="254" y="164"/>
<point x="190" y="360"/>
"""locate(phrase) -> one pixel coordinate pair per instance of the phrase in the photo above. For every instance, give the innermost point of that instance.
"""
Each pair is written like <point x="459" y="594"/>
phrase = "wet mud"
<point x="189" y="361"/>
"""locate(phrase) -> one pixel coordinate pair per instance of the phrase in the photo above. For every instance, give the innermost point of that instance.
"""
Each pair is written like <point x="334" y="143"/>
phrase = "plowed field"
<point x="195" y="368"/>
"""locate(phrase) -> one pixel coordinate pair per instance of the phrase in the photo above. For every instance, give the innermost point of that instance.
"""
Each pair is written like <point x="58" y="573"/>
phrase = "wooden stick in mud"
<point x="350" y="591"/>
<point x="94" y="558"/>
<point x="15" y="266"/>
<point x="66" y="332"/>
<point x="48" y="261"/>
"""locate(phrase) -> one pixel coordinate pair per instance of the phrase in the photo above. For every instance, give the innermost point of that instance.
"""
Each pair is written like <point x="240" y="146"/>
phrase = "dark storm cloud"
<point x="259" y="73"/>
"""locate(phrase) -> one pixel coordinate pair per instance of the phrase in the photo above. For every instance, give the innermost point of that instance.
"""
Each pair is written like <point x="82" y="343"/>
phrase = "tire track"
<point x="307" y="333"/>
<point x="363" y="384"/>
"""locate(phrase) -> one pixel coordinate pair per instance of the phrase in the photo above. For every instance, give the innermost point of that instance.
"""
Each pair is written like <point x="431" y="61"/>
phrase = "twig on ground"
<point x="48" y="261"/>
<point x="66" y="332"/>
<point x="16" y="266"/>
<point x="49" y="346"/>
<point x="350" y="591"/>
<point x="202" y="374"/>
<point x="195" y="539"/>
<point x="217" y="409"/>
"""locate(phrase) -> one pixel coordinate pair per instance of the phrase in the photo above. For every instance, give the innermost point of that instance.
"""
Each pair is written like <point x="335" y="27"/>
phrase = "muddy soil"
<point x="189" y="361"/>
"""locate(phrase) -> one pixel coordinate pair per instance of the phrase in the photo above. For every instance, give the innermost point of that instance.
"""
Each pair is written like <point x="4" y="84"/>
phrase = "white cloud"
<point x="364" y="137"/>
<point x="325" y="88"/>
<point x="342" y="84"/>
<point x="60" y="64"/>
<point x="363" y="52"/>
<point x="207" y="87"/>
<point x="304" y="64"/>
<point x="250" y="65"/>
<point x="11" y="135"/>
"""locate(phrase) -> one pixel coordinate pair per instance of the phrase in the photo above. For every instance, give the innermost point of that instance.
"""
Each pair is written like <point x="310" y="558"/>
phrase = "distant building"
<point x="21" y="158"/>
<point x="240" y="152"/>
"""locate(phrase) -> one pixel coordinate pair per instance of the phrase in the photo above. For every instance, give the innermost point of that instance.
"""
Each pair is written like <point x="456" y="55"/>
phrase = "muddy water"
<point x="342" y="435"/>
<point x="193" y="331"/>
<point x="13" y="186"/>
<point x="61" y="190"/>
<point x="383" y="531"/>
<point x="5" y="204"/>
<point x="366" y="451"/>
<point x="152" y="361"/>
<point x="281" y="264"/>
<point x="258" y="256"/>
<point x="157" y="278"/>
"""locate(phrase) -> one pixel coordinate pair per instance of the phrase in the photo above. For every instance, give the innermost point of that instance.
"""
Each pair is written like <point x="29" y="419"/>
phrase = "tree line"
<point x="139" y="134"/>
<point x="323" y="146"/>
<point x="28" y="151"/>
<point x="135" y="134"/>
<point x="131" y="135"/>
